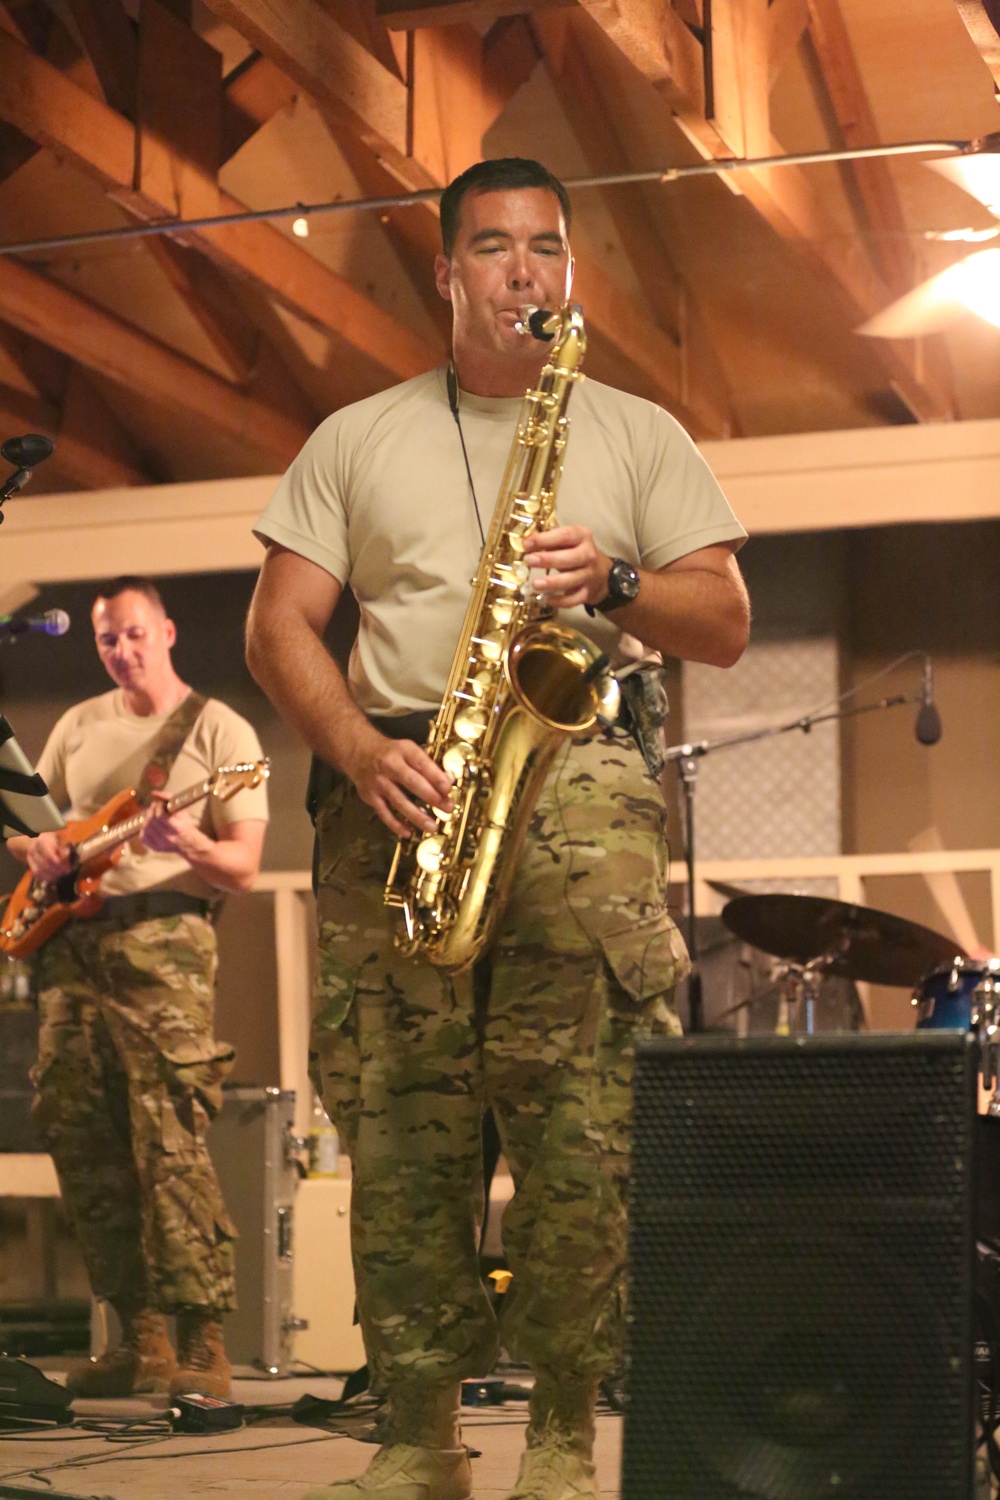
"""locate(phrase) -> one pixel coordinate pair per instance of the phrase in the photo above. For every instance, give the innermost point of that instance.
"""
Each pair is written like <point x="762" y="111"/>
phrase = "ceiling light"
<point x="966" y="236"/>
<point x="975" y="282"/>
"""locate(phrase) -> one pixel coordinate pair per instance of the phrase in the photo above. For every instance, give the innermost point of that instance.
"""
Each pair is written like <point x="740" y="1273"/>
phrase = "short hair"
<point x="497" y="175"/>
<point x="130" y="583"/>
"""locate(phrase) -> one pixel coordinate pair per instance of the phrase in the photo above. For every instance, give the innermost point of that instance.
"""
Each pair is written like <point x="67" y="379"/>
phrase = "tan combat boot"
<point x="142" y="1364"/>
<point x="202" y="1366"/>
<point x="558" y="1461"/>
<point x="422" y="1457"/>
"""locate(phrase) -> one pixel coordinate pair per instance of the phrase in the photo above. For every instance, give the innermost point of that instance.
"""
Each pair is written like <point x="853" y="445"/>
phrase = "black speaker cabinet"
<point x="801" y="1260"/>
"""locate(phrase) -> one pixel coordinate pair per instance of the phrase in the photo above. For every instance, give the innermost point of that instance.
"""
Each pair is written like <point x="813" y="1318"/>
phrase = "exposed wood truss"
<point x="982" y="19"/>
<point x="133" y="111"/>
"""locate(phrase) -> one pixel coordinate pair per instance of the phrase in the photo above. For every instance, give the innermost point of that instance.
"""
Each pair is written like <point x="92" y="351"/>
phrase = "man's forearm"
<point x="695" y="615"/>
<point x="224" y="863"/>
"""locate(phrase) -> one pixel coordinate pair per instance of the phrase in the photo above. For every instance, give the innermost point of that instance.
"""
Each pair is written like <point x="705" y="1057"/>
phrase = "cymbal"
<point x="863" y="943"/>
<point x="729" y="891"/>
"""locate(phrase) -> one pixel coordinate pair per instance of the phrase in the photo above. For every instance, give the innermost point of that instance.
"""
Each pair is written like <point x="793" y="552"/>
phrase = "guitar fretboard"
<point x="120" y="833"/>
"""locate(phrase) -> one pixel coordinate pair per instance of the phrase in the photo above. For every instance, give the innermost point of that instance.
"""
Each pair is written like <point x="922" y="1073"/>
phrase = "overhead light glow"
<point x="301" y="228"/>
<point x="975" y="282"/>
<point x="965" y="236"/>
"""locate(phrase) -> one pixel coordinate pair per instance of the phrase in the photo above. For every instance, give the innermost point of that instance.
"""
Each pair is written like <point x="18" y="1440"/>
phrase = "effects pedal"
<point x="194" y="1413"/>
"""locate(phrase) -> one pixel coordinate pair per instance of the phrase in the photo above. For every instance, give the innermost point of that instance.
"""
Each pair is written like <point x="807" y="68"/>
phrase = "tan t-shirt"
<point x="98" y="749"/>
<point x="379" y="497"/>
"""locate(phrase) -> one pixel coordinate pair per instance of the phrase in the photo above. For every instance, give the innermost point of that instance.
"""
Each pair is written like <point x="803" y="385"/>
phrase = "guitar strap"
<point x="167" y="747"/>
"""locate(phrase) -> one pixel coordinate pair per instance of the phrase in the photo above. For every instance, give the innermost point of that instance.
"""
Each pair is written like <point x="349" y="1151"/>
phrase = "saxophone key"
<point x="470" y="725"/>
<point x="491" y="645"/>
<point x="430" y="853"/>
<point x="456" y="760"/>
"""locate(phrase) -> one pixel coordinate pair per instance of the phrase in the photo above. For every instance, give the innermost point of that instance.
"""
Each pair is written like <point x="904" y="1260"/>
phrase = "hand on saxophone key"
<point x="394" y="777"/>
<point x="567" y="566"/>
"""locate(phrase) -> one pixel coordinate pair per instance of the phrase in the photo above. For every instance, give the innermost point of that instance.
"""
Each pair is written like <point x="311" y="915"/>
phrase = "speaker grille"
<point x="800" y="1269"/>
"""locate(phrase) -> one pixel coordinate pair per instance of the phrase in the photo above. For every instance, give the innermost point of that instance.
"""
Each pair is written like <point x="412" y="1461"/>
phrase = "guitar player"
<point x="129" y="1072"/>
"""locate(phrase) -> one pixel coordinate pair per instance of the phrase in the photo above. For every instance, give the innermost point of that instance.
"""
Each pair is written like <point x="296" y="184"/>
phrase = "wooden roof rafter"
<point x="69" y="406"/>
<point x="35" y="97"/>
<point x="448" y="108"/>
<point x="982" y="21"/>
<point x="93" y="449"/>
<point x="117" y="350"/>
<point x="714" y="85"/>
<point x="670" y="59"/>
<point x="701" y="389"/>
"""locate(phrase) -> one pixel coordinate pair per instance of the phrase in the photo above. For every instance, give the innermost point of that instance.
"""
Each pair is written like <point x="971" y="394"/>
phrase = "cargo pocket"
<point x="188" y="1188"/>
<point x="645" y="962"/>
<point x="200" y="1069"/>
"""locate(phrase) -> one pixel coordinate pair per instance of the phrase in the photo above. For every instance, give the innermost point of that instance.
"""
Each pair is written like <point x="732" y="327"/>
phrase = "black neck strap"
<point x="453" y="394"/>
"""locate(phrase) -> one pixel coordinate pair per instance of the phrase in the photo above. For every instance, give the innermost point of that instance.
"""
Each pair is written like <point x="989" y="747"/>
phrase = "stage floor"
<point x="274" y="1456"/>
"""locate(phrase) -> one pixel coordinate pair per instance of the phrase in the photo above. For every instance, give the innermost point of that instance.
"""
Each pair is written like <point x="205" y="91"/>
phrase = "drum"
<point x="943" y="998"/>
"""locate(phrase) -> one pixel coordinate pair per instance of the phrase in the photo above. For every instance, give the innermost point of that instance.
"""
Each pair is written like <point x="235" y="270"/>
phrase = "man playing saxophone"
<point x="394" y="495"/>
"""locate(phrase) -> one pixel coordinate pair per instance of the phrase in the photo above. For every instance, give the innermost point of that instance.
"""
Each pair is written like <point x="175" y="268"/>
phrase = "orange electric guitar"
<point x="38" y="908"/>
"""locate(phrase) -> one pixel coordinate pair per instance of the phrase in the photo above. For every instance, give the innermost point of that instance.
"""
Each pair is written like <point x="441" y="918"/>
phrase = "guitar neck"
<point x="120" y="833"/>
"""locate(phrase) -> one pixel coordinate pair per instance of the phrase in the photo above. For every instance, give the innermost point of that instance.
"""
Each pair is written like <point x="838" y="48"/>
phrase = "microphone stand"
<point x="11" y="485"/>
<point x="687" y="758"/>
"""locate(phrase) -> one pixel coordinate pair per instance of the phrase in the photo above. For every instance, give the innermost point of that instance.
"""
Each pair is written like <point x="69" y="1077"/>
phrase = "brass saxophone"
<point x="519" y="685"/>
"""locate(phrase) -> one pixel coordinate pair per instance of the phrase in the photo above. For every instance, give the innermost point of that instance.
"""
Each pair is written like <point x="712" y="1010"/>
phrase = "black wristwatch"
<point x="623" y="587"/>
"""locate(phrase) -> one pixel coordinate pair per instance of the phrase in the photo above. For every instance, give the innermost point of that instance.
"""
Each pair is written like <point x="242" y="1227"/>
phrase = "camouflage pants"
<point x="406" y="1059"/>
<point x="128" y="1077"/>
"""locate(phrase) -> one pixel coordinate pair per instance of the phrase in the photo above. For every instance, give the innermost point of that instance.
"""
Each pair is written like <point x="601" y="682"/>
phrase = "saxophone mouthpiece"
<point x="533" y="321"/>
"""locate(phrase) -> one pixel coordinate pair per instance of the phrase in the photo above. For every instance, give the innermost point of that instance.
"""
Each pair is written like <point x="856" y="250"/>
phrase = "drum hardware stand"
<point x="687" y="756"/>
<point x="800" y="984"/>
<point x="985" y="1020"/>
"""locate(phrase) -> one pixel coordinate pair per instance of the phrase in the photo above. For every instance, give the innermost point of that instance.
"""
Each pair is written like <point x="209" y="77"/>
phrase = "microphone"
<point x="25" y="453"/>
<point x="53" y="622"/>
<point x="928" y="725"/>
<point x="28" y="451"/>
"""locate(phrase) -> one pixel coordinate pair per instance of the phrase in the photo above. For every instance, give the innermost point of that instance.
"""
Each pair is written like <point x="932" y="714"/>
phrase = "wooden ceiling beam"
<point x="109" y="38"/>
<point x="879" y="208"/>
<point x="786" y="24"/>
<point x="362" y="20"/>
<point x="35" y="370"/>
<point x="784" y="198"/>
<point x="665" y="52"/>
<point x="654" y="356"/>
<point x="189" y="274"/>
<point x="253" y="94"/>
<point x="448" y="113"/>
<point x="510" y="55"/>
<point x="112" y="348"/>
<point x="982" y="21"/>
<point x="413" y="233"/>
<point x="178" y="114"/>
<point x="502" y="61"/>
<point x="95" y="139"/>
<point x="343" y="77"/>
<point x="736" y="57"/>
<point x="699" y="387"/>
<point x="76" y="455"/>
<point x="626" y="328"/>
<point x="857" y="127"/>
<point x="409" y="15"/>
<point x="88" y="422"/>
